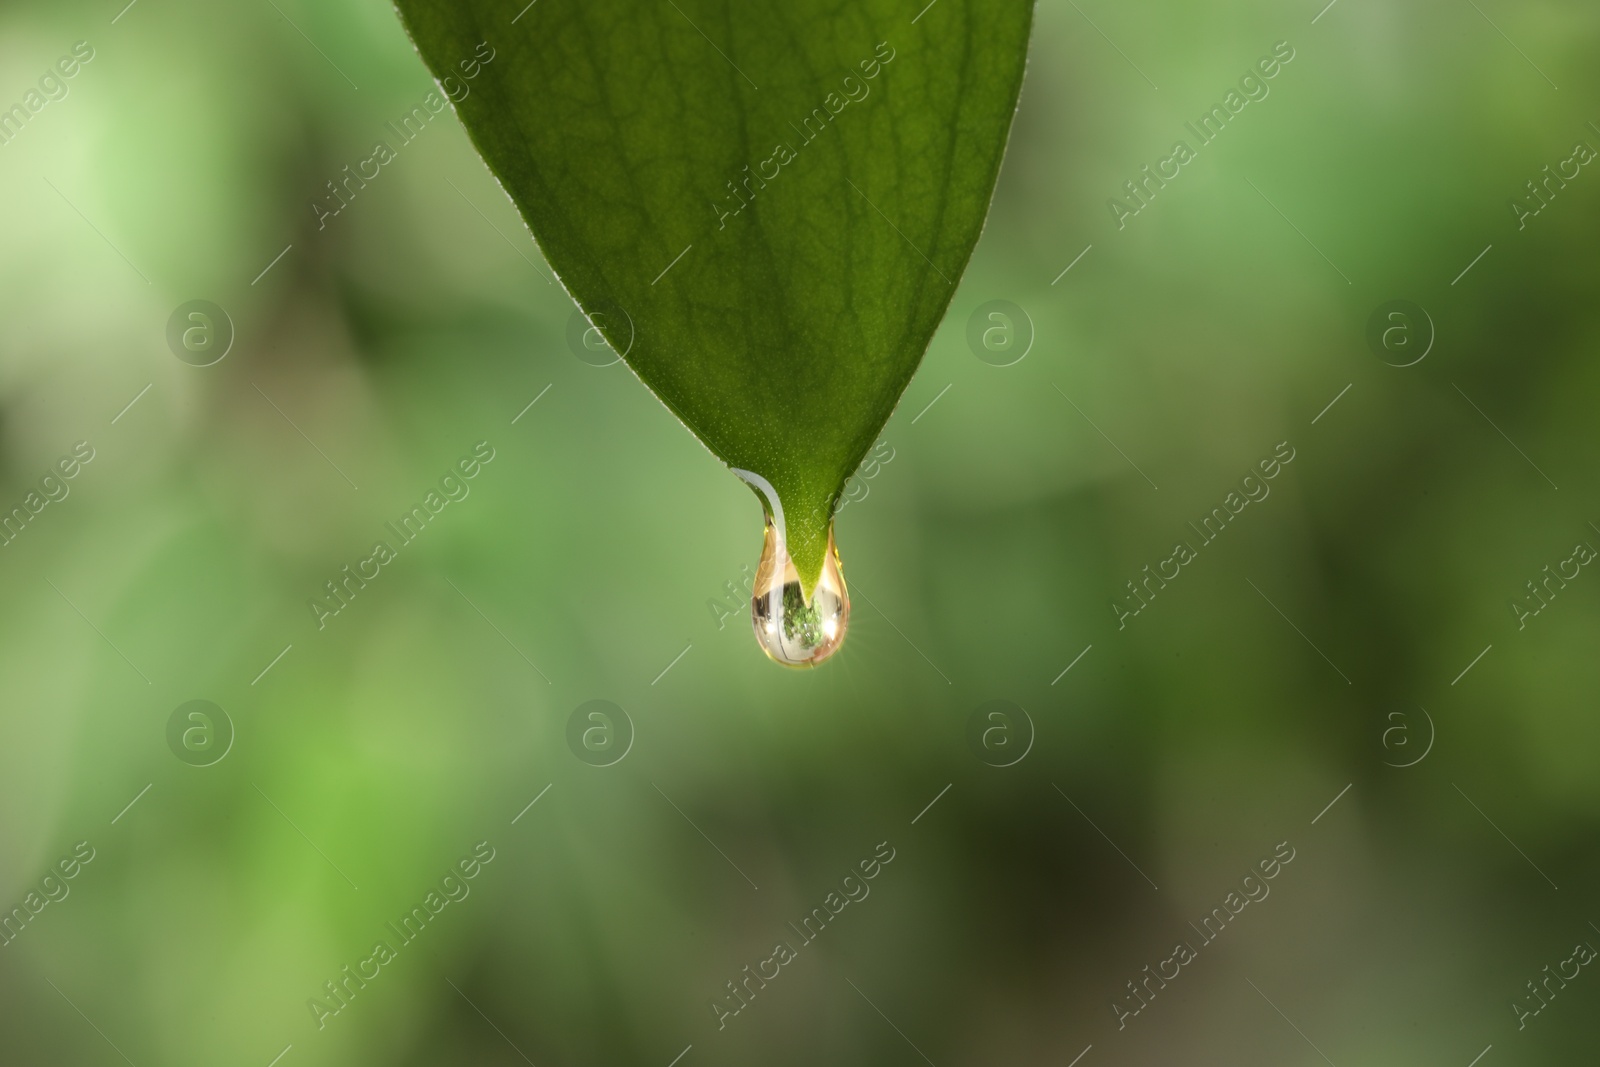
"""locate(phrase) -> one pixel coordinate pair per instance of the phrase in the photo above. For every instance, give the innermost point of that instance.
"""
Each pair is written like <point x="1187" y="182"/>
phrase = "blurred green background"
<point x="1175" y="754"/>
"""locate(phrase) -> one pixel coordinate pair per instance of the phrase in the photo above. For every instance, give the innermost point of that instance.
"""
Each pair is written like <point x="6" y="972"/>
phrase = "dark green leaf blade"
<point x="779" y="195"/>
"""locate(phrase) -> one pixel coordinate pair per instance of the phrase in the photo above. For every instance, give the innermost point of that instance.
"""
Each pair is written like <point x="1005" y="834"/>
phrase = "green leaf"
<point x="778" y="195"/>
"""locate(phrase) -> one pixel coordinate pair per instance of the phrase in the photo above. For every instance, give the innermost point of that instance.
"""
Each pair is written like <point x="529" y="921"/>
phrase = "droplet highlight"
<point x="790" y="629"/>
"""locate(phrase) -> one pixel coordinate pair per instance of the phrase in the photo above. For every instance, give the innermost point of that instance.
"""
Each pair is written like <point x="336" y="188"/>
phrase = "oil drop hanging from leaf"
<point x="794" y="629"/>
<point x="780" y="195"/>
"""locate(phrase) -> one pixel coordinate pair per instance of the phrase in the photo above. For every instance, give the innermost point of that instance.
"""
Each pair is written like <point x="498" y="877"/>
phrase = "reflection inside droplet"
<point x="792" y="631"/>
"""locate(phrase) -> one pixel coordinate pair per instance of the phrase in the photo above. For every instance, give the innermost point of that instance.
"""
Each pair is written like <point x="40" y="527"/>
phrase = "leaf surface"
<point x="764" y="205"/>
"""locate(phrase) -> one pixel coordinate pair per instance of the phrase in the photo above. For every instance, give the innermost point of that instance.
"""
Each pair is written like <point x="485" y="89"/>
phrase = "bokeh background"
<point x="1328" y="635"/>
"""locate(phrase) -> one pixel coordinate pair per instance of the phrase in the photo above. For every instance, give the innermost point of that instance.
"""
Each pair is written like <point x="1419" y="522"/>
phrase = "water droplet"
<point x="790" y="629"/>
